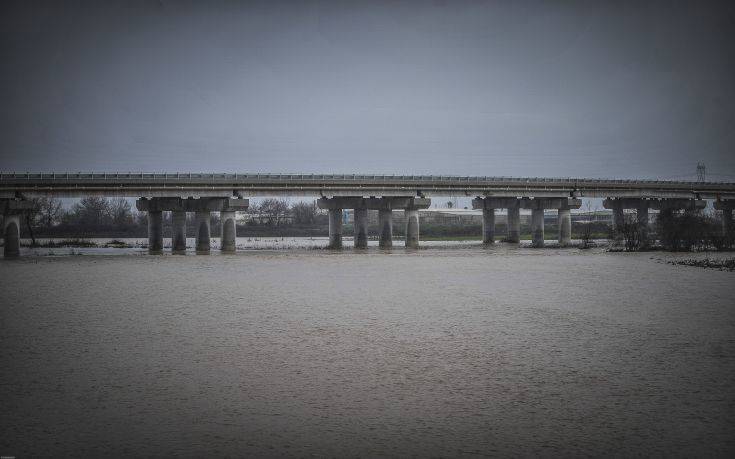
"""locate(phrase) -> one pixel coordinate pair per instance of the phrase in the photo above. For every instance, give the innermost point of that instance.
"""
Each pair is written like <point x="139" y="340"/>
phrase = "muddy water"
<point x="433" y="353"/>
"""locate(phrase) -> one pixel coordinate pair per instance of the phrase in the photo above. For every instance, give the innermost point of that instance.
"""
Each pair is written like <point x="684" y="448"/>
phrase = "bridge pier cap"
<point x="373" y="203"/>
<point x="550" y="203"/>
<point x="654" y="203"/>
<point x="526" y="203"/>
<point x="170" y="204"/>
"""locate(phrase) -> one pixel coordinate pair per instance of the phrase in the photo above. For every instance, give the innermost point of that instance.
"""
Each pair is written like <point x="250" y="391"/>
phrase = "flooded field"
<point x="446" y="351"/>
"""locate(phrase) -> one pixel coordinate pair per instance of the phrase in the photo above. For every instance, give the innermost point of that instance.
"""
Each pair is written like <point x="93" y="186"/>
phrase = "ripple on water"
<point x="438" y="352"/>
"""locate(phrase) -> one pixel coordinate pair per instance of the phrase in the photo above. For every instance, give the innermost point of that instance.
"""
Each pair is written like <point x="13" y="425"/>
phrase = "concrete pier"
<point x="178" y="232"/>
<point x="335" y="228"/>
<point x="384" y="206"/>
<point x="488" y="226"/>
<point x="412" y="228"/>
<point x="618" y="220"/>
<point x="514" y="225"/>
<point x="11" y="235"/>
<point x="642" y="218"/>
<point x="562" y="205"/>
<point x="385" y="223"/>
<point x="13" y="210"/>
<point x="727" y="223"/>
<point x="202" y="207"/>
<point x="564" y="218"/>
<point x="202" y="225"/>
<point x="155" y="232"/>
<point x="228" y="233"/>
<point x="361" y="227"/>
<point x="537" y="227"/>
<point x="726" y="207"/>
<point x="488" y="206"/>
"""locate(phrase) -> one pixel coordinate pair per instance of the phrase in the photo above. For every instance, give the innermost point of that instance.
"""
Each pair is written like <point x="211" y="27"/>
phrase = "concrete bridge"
<point x="203" y="193"/>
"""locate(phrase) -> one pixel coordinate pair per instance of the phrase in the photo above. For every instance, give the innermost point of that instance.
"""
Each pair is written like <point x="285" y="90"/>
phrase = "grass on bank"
<point x="79" y="243"/>
<point x="63" y="243"/>
<point x="726" y="264"/>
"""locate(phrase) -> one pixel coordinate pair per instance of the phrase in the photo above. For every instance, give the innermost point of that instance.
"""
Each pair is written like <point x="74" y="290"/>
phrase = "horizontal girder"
<point x="250" y="185"/>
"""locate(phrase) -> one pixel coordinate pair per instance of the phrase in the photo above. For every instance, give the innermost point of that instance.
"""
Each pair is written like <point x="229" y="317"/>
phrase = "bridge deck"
<point x="248" y="185"/>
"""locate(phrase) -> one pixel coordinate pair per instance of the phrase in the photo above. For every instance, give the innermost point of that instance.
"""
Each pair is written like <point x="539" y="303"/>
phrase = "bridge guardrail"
<point x="4" y="176"/>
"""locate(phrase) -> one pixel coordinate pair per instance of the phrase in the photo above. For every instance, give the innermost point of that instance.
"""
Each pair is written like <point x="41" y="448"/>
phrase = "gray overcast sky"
<point x="481" y="88"/>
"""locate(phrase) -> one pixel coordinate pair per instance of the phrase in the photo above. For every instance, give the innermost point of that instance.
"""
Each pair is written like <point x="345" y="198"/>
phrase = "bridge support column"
<point x="488" y="226"/>
<point x="537" y="227"/>
<point x="562" y="205"/>
<point x="11" y="236"/>
<point x="335" y="228"/>
<point x="385" y="222"/>
<point x="155" y="232"/>
<point x="361" y="227"/>
<point x="412" y="228"/>
<point x="642" y="217"/>
<point x="384" y="205"/>
<point x="228" y="234"/>
<point x="202" y="209"/>
<point x="514" y="225"/>
<point x="178" y="232"/>
<point x="12" y="209"/>
<point x="727" y="223"/>
<point x="618" y="220"/>
<point x="728" y="231"/>
<point x="565" y="227"/>
<point x="488" y="206"/>
<point x="202" y="223"/>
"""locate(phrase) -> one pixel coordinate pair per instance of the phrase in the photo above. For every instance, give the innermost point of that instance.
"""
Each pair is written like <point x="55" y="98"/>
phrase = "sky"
<point x="593" y="89"/>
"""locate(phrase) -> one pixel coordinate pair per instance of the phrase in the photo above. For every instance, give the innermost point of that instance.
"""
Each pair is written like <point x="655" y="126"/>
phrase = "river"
<point x="446" y="351"/>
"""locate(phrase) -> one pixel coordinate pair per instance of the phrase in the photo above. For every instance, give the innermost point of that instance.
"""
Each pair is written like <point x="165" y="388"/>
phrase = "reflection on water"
<point x="446" y="352"/>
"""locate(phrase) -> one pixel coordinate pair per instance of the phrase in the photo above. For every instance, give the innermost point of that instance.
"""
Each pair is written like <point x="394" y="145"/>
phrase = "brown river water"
<point x="447" y="351"/>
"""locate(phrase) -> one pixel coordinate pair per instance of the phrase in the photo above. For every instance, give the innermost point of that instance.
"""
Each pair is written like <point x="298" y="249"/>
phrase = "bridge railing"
<point x="185" y="176"/>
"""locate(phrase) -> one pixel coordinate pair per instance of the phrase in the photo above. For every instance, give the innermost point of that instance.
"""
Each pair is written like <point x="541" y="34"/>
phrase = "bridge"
<point x="227" y="193"/>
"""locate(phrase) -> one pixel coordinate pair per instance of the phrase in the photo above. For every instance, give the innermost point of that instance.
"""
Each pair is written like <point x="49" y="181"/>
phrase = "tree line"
<point x="98" y="215"/>
<point x="90" y="214"/>
<point x="674" y="231"/>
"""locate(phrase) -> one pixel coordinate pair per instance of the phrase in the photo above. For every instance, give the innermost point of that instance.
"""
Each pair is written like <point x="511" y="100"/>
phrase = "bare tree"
<point x="273" y="209"/>
<point x="305" y="212"/>
<point x="49" y="212"/>
<point x="632" y="233"/>
<point x="45" y="212"/>
<point x="31" y="217"/>
<point x="689" y="231"/>
<point x="121" y="212"/>
<point x="90" y="211"/>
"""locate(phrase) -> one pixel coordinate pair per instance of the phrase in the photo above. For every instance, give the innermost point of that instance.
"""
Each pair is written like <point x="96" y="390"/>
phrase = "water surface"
<point x="435" y="352"/>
